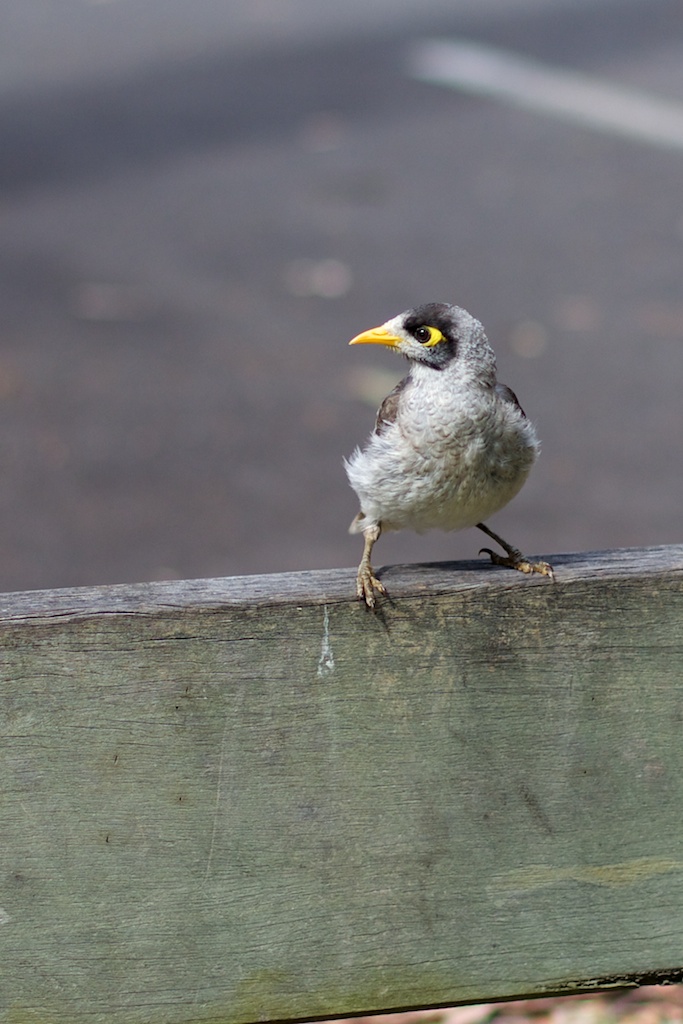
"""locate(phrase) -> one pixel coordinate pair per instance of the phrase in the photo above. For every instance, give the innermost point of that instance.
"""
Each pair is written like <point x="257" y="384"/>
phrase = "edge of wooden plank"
<point x="330" y="586"/>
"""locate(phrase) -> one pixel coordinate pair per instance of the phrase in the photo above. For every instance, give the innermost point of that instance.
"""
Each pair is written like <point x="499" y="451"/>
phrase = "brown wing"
<point x="388" y="410"/>
<point x="508" y="395"/>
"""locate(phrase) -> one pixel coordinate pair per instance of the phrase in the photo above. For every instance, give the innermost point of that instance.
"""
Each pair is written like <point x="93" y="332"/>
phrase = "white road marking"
<point x="487" y="71"/>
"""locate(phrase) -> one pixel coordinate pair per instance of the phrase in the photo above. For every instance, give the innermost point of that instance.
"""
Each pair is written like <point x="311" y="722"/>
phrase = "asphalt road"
<point x="193" y="224"/>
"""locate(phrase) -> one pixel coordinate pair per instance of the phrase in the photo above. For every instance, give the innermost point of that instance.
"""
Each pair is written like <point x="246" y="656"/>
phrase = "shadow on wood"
<point x="250" y="799"/>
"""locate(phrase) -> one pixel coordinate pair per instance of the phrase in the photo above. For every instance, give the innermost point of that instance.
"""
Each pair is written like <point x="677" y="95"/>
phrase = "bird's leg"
<point x="366" y="581"/>
<point x="515" y="559"/>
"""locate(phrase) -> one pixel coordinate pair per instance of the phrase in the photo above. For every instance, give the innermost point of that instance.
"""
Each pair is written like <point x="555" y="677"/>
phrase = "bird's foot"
<point x="516" y="560"/>
<point x="513" y="557"/>
<point x="367" y="583"/>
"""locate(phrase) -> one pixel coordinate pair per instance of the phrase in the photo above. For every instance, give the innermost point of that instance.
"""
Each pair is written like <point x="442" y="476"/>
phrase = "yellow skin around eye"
<point x="435" y="336"/>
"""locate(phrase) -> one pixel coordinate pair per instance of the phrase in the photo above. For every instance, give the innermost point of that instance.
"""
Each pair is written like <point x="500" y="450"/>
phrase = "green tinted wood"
<point x="251" y="799"/>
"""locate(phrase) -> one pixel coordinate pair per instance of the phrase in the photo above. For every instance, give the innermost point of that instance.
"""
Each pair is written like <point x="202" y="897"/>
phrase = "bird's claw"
<point x="366" y="585"/>
<point x="544" y="569"/>
<point x="516" y="560"/>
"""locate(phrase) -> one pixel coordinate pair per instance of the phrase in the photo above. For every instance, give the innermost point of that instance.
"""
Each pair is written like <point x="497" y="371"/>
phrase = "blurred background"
<point x="201" y="201"/>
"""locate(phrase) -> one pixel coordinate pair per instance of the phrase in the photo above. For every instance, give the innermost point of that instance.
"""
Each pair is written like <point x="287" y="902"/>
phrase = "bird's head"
<point x="434" y="334"/>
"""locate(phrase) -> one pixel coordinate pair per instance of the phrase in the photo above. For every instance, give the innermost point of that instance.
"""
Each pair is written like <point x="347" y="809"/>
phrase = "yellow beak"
<point x="376" y="336"/>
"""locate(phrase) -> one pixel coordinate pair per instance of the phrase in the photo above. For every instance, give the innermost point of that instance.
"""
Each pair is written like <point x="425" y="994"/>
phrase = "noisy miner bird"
<point x="451" y="446"/>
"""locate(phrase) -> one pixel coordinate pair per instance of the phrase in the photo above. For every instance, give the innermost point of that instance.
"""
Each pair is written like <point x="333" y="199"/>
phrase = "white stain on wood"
<point x="326" y="660"/>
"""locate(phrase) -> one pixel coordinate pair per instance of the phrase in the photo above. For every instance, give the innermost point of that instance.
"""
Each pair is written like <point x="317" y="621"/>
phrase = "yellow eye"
<point x="428" y="336"/>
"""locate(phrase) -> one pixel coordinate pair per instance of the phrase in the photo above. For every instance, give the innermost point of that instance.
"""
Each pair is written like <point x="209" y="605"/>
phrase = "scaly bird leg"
<point x="366" y="581"/>
<point x="515" y="559"/>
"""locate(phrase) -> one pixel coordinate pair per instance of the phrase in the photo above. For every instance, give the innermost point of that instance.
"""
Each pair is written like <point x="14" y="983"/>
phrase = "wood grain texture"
<point x="251" y="799"/>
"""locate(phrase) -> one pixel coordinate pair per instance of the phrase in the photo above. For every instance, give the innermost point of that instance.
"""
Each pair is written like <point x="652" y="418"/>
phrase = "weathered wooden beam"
<point x="252" y="799"/>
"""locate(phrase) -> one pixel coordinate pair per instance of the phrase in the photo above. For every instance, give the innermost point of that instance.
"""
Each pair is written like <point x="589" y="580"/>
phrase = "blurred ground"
<point x="200" y="204"/>
<point x="648" y="1005"/>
